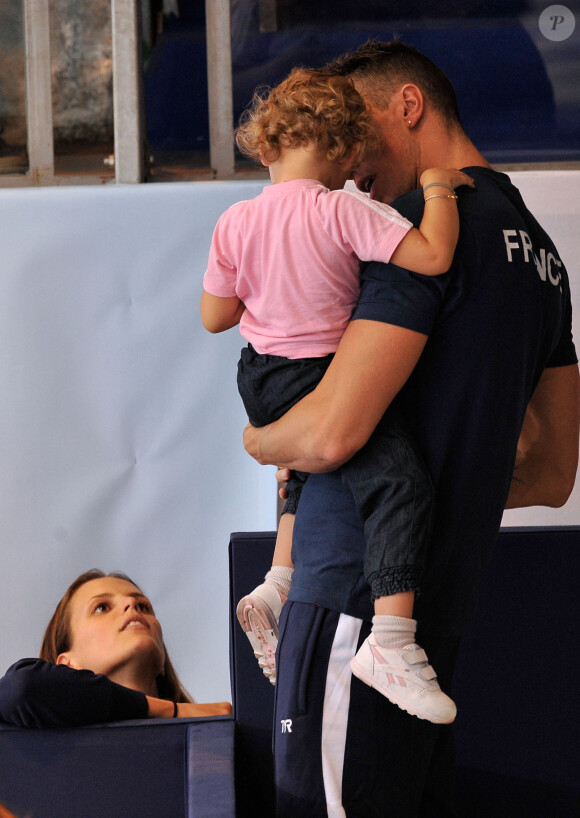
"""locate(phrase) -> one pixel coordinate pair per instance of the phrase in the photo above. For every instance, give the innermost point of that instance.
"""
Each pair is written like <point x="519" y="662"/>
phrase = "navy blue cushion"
<point x="158" y="767"/>
<point x="253" y="695"/>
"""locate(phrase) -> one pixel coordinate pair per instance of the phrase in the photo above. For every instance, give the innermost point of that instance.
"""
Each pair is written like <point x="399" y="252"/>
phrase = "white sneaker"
<point x="406" y="678"/>
<point x="258" y="614"/>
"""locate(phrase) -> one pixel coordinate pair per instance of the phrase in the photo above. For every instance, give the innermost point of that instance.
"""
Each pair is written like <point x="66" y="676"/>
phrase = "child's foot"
<point x="258" y="614"/>
<point x="406" y="678"/>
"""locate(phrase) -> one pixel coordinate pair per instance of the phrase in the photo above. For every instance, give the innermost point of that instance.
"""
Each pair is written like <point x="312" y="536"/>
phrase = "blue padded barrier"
<point x="517" y="730"/>
<point x="211" y="791"/>
<point x="158" y="768"/>
<point x="253" y="695"/>
<point x="516" y="683"/>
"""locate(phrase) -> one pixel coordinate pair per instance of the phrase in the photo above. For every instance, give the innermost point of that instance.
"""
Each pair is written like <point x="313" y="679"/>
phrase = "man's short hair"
<point x="381" y="68"/>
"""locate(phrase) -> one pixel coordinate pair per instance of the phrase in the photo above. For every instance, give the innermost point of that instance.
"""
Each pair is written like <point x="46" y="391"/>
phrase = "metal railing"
<point x="220" y="93"/>
<point x="130" y="152"/>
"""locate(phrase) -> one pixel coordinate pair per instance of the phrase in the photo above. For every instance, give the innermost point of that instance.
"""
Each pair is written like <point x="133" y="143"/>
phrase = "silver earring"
<point x="409" y="121"/>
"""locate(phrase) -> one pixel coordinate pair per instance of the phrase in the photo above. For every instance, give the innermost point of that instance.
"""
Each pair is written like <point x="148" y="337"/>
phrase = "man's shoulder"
<point x="490" y="185"/>
<point x="411" y="206"/>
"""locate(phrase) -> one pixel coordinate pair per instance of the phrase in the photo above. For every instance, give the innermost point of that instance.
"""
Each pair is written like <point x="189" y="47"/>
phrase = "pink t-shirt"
<point x="292" y="256"/>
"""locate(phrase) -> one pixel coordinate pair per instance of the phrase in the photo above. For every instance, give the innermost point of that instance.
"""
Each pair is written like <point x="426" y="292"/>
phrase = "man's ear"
<point x="413" y="103"/>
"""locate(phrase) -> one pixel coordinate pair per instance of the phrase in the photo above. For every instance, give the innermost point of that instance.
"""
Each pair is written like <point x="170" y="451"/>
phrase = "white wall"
<point x="120" y="422"/>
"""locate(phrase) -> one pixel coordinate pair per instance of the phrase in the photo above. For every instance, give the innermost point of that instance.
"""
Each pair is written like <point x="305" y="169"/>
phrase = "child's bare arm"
<point x="219" y="314"/>
<point x="429" y="249"/>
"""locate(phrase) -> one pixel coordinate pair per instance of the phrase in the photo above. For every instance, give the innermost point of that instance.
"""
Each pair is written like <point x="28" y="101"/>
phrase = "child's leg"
<point x="259" y="612"/>
<point x="269" y="386"/>
<point x="393" y="494"/>
<point x="393" y="623"/>
<point x="400" y="604"/>
<point x="393" y="620"/>
<point x="390" y="661"/>
<point x="283" y="548"/>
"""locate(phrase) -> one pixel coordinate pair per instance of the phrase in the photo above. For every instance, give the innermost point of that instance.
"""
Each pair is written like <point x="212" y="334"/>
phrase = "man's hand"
<point x="529" y="436"/>
<point x="252" y="437"/>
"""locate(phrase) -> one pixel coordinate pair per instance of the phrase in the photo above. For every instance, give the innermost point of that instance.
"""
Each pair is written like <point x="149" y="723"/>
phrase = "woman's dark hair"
<point x="57" y="637"/>
<point x="381" y="68"/>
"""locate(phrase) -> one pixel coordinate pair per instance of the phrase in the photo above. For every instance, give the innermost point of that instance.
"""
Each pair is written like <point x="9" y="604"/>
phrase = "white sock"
<point x="394" y="632"/>
<point x="281" y="577"/>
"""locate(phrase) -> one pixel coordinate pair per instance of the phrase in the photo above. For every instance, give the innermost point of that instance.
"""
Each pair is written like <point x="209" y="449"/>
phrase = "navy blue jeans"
<point x="387" y="478"/>
<point x="269" y="386"/>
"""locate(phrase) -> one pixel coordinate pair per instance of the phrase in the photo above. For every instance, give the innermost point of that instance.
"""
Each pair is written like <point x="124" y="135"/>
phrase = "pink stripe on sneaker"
<point x="381" y="659"/>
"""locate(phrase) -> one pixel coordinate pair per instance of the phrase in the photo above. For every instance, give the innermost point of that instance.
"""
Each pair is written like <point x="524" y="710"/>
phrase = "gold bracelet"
<point x="438" y="184"/>
<point x="441" y="196"/>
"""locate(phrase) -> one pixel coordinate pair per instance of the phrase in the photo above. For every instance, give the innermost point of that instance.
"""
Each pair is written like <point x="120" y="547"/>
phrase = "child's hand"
<point x="445" y="176"/>
<point x="282" y="477"/>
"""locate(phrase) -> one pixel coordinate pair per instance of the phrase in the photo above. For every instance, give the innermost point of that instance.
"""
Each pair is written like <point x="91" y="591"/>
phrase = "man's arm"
<point x="328" y="426"/>
<point x="547" y="457"/>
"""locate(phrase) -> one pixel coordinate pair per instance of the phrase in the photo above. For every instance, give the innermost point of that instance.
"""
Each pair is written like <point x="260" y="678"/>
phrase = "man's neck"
<point x="450" y="150"/>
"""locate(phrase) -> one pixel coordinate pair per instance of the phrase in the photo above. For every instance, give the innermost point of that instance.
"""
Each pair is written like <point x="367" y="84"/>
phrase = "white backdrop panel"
<point x="120" y="422"/>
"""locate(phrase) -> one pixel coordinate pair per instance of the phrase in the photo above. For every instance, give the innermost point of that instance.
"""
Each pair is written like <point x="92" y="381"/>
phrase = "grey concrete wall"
<point x="81" y="59"/>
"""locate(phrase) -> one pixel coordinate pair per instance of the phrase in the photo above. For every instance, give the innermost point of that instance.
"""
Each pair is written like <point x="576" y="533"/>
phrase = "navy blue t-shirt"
<point x="494" y="322"/>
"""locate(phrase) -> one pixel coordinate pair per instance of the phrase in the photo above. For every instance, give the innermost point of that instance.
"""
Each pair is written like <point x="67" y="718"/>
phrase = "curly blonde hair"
<point x="309" y="106"/>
